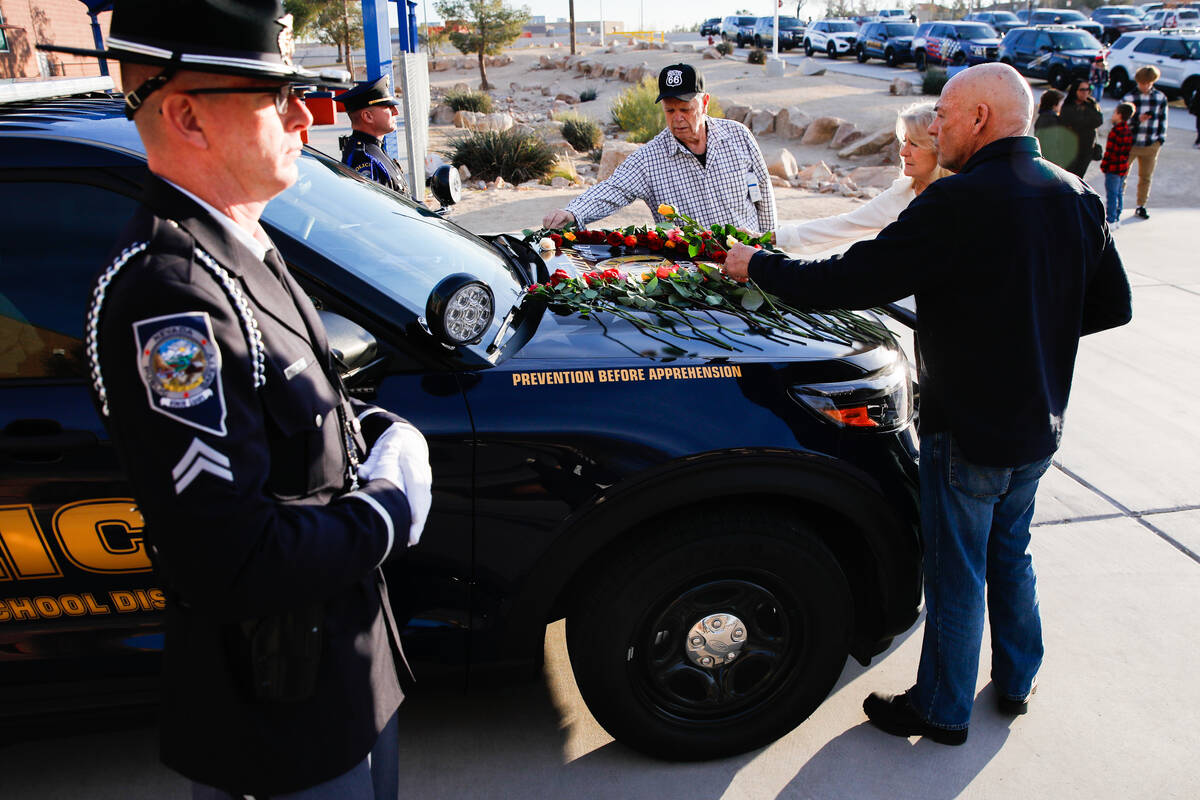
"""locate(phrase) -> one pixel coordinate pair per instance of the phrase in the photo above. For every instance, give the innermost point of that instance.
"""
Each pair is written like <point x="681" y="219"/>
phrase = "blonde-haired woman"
<point x="918" y="155"/>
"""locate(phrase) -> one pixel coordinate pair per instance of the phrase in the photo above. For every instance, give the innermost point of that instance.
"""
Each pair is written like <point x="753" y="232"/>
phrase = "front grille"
<point x="991" y="52"/>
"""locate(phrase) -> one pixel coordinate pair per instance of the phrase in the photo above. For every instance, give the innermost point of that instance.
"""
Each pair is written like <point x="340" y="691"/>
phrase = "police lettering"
<point x="21" y="609"/>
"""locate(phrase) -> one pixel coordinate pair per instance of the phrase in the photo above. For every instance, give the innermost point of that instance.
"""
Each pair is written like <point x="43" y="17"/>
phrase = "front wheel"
<point x="890" y="59"/>
<point x="1119" y="84"/>
<point x="1058" y="78"/>
<point x="808" y="48"/>
<point x="862" y="54"/>
<point x="831" y="50"/>
<point x="958" y="60"/>
<point x="714" y="637"/>
<point x="919" y="61"/>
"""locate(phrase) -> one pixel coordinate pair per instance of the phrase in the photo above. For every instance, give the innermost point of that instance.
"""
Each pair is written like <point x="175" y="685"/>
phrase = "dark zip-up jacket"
<point x="1011" y="262"/>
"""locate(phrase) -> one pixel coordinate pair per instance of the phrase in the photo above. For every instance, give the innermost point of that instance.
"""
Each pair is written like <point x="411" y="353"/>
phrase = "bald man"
<point x="1011" y="262"/>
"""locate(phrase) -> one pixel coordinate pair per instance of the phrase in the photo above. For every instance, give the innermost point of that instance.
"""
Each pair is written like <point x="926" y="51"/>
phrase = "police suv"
<point x="720" y="524"/>
<point x="834" y="37"/>
<point x="1175" y="51"/>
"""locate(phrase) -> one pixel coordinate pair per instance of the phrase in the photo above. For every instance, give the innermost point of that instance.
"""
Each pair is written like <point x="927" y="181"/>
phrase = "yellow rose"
<point x="570" y="237"/>
<point x="666" y="210"/>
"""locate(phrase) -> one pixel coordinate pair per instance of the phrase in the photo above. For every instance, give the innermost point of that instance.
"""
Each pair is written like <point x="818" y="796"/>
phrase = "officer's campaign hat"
<point x="367" y="94"/>
<point x="232" y="37"/>
<point x="679" y="80"/>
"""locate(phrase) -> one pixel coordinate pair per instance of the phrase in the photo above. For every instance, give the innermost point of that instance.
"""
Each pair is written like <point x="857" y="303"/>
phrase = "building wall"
<point x="65" y="22"/>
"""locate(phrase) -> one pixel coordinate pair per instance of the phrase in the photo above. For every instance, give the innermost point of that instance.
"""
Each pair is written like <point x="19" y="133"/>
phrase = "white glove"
<point x="400" y="455"/>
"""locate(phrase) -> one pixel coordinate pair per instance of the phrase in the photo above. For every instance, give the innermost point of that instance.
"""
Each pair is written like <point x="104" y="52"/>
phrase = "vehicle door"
<point x="1145" y="53"/>
<point x="1041" y="55"/>
<point x="77" y="598"/>
<point x="1171" y="61"/>
<point x="938" y="43"/>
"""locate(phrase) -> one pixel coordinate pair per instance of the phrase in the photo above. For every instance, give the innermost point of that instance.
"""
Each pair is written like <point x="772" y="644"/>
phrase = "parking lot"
<point x="1117" y="714"/>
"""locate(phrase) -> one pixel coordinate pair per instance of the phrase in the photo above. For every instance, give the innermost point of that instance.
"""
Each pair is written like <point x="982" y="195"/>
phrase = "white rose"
<point x="730" y="241"/>
<point x="546" y="244"/>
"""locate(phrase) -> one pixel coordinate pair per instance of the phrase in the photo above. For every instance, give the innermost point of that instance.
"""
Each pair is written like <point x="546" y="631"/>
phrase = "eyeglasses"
<point x="283" y="94"/>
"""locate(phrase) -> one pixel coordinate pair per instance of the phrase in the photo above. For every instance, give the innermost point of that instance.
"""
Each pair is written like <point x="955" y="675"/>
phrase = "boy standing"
<point x="1149" y="130"/>
<point x="1115" y="164"/>
<point x="1098" y="76"/>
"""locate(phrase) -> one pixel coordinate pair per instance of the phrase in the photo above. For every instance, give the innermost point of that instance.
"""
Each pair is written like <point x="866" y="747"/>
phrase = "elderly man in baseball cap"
<point x="271" y="498"/>
<point x="710" y="169"/>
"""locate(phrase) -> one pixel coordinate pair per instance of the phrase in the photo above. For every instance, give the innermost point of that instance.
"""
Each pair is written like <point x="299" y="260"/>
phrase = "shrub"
<point x="933" y="81"/>
<point x="580" y="132"/>
<point x="636" y="113"/>
<point x="516" y="156"/>
<point x="469" y="101"/>
<point x="714" y="108"/>
<point x="756" y="56"/>
<point x="587" y="94"/>
<point x="724" y="48"/>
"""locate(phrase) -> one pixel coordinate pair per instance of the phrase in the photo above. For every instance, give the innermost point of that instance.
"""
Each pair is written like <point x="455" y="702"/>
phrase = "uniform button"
<point x="318" y="420"/>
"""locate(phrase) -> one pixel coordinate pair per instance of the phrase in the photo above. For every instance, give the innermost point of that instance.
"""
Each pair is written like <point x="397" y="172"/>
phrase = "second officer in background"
<point x="372" y="111"/>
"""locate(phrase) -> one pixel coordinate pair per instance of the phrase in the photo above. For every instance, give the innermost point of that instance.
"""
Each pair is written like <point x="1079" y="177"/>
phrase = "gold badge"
<point x="287" y="42"/>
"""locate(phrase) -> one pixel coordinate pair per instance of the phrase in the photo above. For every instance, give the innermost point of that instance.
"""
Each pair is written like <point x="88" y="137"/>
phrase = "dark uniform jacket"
<point x="244" y="491"/>
<point x="364" y="154"/>
<point x="1011" y="262"/>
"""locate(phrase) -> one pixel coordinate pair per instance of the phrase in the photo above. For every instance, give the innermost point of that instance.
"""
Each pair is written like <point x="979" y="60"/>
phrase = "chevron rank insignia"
<point x="180" y="364"/>
<point x="200" y="458"/>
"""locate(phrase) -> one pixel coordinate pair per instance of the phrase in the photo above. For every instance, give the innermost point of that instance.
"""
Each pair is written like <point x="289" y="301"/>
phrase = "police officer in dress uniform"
<point x="372" y="111"/>
<point x="271" y="498"/>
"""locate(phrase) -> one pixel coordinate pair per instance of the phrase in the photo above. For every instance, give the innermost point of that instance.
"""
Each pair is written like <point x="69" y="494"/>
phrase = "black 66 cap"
<point x="679" y="80"/>
<point x="233" y="37"/>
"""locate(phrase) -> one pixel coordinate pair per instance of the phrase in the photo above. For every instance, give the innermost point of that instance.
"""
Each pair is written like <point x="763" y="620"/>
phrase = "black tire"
<point x="1058" y="78"/>
<point x="958" y="59"/>
<point x="1189" y="90"/>
<point x="808" y="48"/>
<point x="831" y="50"/>
<point x="862" y="54"/>
<point x="628" y="637"/>
<point x="1119" y="83"/>
<point x="919" y="61"/>
<point x="889" y="57"/>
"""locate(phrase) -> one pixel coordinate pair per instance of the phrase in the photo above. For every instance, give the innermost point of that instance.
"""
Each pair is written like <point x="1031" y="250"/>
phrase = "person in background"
<point x="1115" y="164"/>
<point x="1098" y="76"/>
<point x="1057" y="143"/>
<point x="1025" y="300"/>
<point x="1081" y="114"/>
<point x="709" y="169"/>
<point x="920" y="168"/>
<point x="1149" y="130"/>
<point x="372" y="112"/>
<point x="1194" y="107"/>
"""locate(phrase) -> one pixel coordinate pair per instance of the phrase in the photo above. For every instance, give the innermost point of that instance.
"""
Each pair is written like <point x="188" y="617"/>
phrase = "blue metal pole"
<point x="98" y="38"/>
<point x="377" y="41"/>
<point x="412" y="26"/>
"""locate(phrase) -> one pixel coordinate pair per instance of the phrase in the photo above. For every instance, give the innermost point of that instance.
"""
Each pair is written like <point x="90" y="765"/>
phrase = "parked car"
<point x="1114" y="25"/>
<point x="1060" y="16"/>
<point x="1055" y="53"/>
<point x="834" y="37"/>
<point x="711" y="27"/>
<point x="1001" y="21"/>
<point x="954" y="43"/>
<point x="1176" y="54"/>
<point x="791" y="32"/>
<point x="1099" y="14"/>
<point x="891" y="15"/>
<point x="891" y="41"/>
<point x="655" y="491"/>
<point x="738" y="29"/>
<point x="1172" y="18"/>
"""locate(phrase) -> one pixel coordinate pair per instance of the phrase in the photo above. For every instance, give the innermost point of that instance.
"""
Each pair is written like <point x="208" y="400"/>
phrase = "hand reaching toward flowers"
<point x="737" y="262"/>
<point x="559" y="218"/>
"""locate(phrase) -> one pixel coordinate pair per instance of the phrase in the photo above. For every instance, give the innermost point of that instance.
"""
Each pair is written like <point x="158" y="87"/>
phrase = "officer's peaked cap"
<point x="367" y="94"/>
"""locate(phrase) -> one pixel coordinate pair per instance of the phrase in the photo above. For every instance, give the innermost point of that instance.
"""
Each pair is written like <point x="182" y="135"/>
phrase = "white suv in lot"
<point x="1175" y="51"/>
<point x="834" y="37"/>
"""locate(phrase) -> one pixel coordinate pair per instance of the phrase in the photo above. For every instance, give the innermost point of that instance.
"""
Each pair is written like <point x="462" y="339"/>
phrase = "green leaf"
<point x="677" y="301"/>
<point x="591" y="294"/>
<point x="713" y="299"/>
<point x="527" y="233"/>
<point x="693" y="250"/>
<point x="625" y="301"/>
<point x="752" y="300"/>
<point x="765" y="238"/>
<point x="651" y="286"/>
<point x="716" y="228"/>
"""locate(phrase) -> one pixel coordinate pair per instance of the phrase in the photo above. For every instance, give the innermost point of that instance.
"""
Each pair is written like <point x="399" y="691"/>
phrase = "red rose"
<point x="665" y="272"/>
<point x="719" y="256"/>
<point x="533" y="289"/>
<point x="705" y="235"/>
<point x="656" y="244"/>
<point x="554" y="237"/>
<point x="612" y="274"/>
<point x="758" y="247"/>
<point x="615" y="239"/>
<point x="631" y="241"/>
<point x="558" y="277"/>
<point x="652" y="236"/>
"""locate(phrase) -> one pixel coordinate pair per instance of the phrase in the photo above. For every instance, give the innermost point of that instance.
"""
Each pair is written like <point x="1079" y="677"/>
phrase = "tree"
<point x="331" y="22"/>
<point x="433" y="37"/>
<point x="483" y="27"/>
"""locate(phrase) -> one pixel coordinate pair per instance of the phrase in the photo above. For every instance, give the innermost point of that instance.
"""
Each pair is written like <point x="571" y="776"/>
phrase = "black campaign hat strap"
<point x="135" y="99"/>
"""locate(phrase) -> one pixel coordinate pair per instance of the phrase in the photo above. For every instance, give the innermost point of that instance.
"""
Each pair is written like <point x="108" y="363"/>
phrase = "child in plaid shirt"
<point x="1115" y="164"/>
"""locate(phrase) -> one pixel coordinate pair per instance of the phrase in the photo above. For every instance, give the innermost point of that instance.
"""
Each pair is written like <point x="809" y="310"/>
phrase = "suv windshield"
<point x="842" y="27"/>
<point x="1004" y="16"/>
<point x="746" y="20"/>
<point x="1193" y="48"/>
<point x="901" y="29"/>
<point x="1081" y="40"/>
<point x="789" y="24"/>
<point x="976" y="31"/>
<point x="1070" y="16"/>
<point x="390" y="243"/>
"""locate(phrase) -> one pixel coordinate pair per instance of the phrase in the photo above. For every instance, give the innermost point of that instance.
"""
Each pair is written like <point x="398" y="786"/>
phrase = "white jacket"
<point x="819" y="235"/>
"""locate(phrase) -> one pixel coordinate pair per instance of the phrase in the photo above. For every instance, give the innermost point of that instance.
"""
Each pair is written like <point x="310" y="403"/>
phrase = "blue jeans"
<point x="1114" y="188"/>
<point x="975" y="526"/>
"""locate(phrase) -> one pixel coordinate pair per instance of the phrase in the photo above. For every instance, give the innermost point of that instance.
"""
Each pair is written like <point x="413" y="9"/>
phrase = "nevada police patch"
<point x="180" y="364"/>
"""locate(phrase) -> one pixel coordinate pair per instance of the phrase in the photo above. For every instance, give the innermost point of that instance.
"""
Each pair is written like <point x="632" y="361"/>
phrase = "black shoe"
<point x="1142" y="212"/>
<point x="895" y="715"/>
<point x="1015" y="708"/>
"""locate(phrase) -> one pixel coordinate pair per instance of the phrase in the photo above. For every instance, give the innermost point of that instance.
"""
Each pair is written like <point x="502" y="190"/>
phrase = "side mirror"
<point x="350" y="343"/>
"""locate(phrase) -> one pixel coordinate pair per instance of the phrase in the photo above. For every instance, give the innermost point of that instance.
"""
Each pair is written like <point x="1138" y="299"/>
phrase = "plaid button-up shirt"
<point x="664" y="171"/>
<point x="1116" y="150"/>
<point x="1154" y="130"/>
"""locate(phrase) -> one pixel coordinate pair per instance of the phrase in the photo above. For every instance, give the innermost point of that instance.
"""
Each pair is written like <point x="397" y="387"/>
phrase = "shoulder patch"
<point x="180" y="365"/>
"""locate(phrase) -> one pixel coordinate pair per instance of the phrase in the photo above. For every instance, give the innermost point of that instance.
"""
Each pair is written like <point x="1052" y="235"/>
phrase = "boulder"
<point x="610" y="70"/>
<point x="474" y="121"/>
<point x="461" y="87"/>
<point x="791" y="122"/>
<point x="567" y="97"/>
<point x="736" y="112"/>
<point x="683" y="47"/>
<point x="547" y="91"/>
<point x="811" y="67"/>
<point x="775" y="67"/>
<point x="784" y="165"/>
<point x="558" y="144"/>
<point x="711" y="53"/>
<point x="544" y="62"/>
<point x="613" y="154"/>
<point x="559" y="182"/>
<point x="760" y="122"/>
<point x="780" y="182"/>
<point x="460" y="118"/>
<point x="902" y="87"/>
<point x="443" y="114"/>
<point x="846" y="133"/>
<point x="873" y="177"/>
<point x="869" y="145"/>
<point x="821" y="130"/>
<point x="559" y="107"/>
<point x="816" y="173"/>
<point x="464" y="174"/>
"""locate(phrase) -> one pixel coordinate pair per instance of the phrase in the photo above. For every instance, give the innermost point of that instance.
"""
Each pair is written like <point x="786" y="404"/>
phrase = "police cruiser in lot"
<point x="719" y="527"/>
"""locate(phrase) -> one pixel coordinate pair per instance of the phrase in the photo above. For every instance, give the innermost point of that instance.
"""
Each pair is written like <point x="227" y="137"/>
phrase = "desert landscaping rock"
<point x="736" y="112"/>
<point x="775" y="67"/>
<point x="568" y="97"/>
<point x="760" y="122"/>
<point x="816" y="173"/>
<point x="613" y="154"/>
<point x="873" y="177"/>
<point x="821" y="130"/>
<point x="476" y="121"/>
<point x="811" y="68"/>
<point x="784" y="165"/>
<point x="846" y="133"/>
<point x="443" y="114"/>
<point x="869" y="145"/>
<point x="902" y="87"/>
<point x="712" y="53"/>
<point x="791" y="123"/>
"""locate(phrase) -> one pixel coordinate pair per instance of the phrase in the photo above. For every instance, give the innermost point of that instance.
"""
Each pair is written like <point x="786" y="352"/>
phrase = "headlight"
<point x="876" y="403"/>
<point x="460" y="309"/>
<point x="1079" y="62"/>
<point x="446" y="185"/>
<point x="978" y="51"/>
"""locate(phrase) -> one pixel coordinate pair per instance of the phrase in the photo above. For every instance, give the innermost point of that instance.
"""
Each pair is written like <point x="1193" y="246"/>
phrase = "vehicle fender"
<point x="845" y="506"/>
